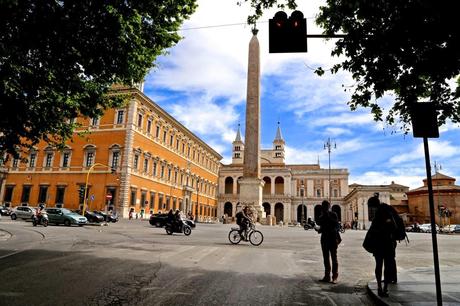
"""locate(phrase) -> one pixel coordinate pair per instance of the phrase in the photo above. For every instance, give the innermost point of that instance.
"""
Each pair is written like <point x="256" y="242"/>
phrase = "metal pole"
<point x="433" y="223"/>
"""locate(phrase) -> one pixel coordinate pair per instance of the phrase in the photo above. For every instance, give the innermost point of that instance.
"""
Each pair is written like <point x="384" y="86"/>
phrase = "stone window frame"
<point x="89" y="149"/>
<point x="66" y="150"/>
<point x="149" y="125"/>
<point x="48" y="158"/>
<point x="120" y="116"/>
<point x="115" y="148"/>
<point x="94" y="122"/>
<point x="32" y="161"/>
<point x="57" y="198"/>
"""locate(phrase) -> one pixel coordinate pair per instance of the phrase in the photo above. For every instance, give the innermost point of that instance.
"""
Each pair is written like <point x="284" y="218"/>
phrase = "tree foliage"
<point x="406" y="48"/>
<point x="59" y="58"/>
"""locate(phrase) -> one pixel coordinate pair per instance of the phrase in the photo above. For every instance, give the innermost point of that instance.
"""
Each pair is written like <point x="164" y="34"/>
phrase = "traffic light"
<point x="287" y="35"/>
<point x="81" y="192"/>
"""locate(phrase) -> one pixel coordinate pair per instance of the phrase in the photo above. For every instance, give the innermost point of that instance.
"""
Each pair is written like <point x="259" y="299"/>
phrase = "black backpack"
<point x="400" y="230"/>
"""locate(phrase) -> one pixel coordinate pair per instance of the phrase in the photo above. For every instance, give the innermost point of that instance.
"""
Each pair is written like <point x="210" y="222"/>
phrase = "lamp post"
<point x="302" y="194"/>
<point x="329" y="145"/>
<point x="438" y="167"/>
<point x="86" y="184"/>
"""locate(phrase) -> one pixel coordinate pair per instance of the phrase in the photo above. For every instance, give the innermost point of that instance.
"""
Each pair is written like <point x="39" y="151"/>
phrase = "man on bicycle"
<point x="243" y="220"/>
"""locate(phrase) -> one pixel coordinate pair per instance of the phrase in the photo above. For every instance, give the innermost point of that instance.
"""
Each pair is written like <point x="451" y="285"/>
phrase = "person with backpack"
<point x="381" y="242"/>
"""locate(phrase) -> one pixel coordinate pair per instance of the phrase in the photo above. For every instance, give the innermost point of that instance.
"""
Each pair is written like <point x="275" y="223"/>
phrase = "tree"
<point x="405" y="48"/>
<point x="58" y="60"/>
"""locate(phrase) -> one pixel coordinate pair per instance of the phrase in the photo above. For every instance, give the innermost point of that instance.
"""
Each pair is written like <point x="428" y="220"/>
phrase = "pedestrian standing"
<point x="381" y="243"/>
<point x="328" y="229"/>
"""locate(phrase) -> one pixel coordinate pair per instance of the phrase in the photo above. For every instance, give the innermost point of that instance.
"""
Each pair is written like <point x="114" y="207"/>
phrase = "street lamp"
<point x="86" y="184"/>
<point x="302" y="194"/>
<point x="329" y="145"/>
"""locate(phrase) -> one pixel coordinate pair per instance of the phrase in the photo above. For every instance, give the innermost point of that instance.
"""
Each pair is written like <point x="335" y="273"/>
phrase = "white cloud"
<point x="300" y="156"/>
<point x="384" y="178"/>
<point x="437" y="148"/>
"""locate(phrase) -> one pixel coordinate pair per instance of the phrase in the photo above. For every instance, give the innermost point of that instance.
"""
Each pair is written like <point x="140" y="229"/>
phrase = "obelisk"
<point x="250" y="184"/>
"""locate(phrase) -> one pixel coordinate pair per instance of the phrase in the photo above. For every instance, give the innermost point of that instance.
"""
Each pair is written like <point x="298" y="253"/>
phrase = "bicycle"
<point x="255" y="237"/>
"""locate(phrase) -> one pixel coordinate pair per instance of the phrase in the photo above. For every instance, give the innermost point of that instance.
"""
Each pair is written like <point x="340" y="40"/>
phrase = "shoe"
<point x="325" y="280"/>
<point x="334" y="281"/>
<point x="382" y="293"/>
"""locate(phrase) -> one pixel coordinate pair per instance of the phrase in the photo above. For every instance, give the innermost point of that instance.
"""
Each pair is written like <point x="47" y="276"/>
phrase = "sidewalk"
<point x="417" y="287"/>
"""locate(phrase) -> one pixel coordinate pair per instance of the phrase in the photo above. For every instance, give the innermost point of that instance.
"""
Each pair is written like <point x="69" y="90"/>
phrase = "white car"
<point x="426" y="228"/>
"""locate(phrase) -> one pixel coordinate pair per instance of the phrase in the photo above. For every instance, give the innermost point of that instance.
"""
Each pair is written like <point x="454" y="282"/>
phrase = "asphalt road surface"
<point x="133" y="263"/>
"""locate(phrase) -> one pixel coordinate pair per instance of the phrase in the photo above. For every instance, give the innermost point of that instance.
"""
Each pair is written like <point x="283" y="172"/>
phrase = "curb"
<point x="377" y="299"/>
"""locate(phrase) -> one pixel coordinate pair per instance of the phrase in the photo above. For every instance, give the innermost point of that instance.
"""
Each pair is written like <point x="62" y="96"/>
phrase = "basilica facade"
<point x="291" y="193"/>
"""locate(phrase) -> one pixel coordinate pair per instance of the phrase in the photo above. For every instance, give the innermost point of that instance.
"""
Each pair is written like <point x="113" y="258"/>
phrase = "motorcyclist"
<point x="310" y="222"/>
<point x="178" y="220"/>
<point x="243" y="220"/>
<point x="38" y="212"/>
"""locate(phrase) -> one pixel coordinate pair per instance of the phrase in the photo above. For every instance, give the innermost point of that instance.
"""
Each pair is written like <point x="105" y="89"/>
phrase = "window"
<point x="169" y="174"/>
<point x="336" y="193"/>
<point x="175" y="176"/>
<point x="177" y="144"/>
<point x="302" y="192"/>
<point x="162" y="173"/>
<point x="32" y="160"/>
<point x="48" y="160"/>
<point x="278" y="154"/>
<point x="133" y="197"/>
<point x="120" y="116"/>
<point x="237" y="155"/>
<point x="164" y="136"/>
<point x="183" y="148"/>
<point x="143" y="198"/>
<point x="65" y="159"/>
<point x="15" y="163"/>
<point x="136" y="162"/>
<point x="193" y="154"/>
<point x="81" y="194"/>
<point x="149" y="125"/>
<point x="188" y="151"/>
<point x="318" y="193"/>
<point x="154" y="171"/>
<point x="157" y="133"/>
<point x="60" y="191"/>
<point x="42" y="194"/>
<point x="95" y="121"/>
<point x="25" y="194"/>
<point x="171" y="140"/>
<point x="146" y="165"/>
<point x="8" y="194"/>
<point x="152" y="200"/>
<point x="237" y="148"/>
<point x="139" y="120"/>
<point x="115" y="159"/>
<point x="277" y="147"/>
<point x="89" y="159"/>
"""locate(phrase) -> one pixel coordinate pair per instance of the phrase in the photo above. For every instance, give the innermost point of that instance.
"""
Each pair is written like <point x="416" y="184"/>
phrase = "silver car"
<point x="22" y="212"/>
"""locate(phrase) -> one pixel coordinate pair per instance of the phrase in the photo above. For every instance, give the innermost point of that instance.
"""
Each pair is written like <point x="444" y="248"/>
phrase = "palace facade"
<point x="134" y="158"/>
<point x="291" y="193"/>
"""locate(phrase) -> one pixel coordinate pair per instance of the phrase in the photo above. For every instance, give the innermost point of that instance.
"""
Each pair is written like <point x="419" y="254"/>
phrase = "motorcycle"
<point x="178" y="228"/>
<point x="310" y="225"/>
<point x="40" y="219"/>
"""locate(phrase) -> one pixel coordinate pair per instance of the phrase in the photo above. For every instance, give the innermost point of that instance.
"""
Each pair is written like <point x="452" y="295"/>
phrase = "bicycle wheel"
<point x="234" y="237"/>
<point x="256" y="238"/>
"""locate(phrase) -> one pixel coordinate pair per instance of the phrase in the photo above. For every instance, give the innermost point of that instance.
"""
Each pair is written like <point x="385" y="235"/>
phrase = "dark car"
<point x="93" y="217"/>
<point x="107" y="216"/>
<point x="158" y="220"/>
<point x="4" y="211"/>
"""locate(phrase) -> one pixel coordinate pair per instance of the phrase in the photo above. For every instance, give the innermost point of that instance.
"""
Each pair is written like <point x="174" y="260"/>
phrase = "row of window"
<point x="176" y="142"/>
<point x="65" y="158"/>
<point x="172" y="174"/>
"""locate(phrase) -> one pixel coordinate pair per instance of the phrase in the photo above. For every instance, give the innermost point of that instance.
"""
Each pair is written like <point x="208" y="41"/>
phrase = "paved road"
<point x="131" y="263"/>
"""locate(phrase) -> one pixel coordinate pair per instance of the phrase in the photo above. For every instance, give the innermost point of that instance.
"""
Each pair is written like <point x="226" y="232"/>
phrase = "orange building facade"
<point x="135" y="158"/>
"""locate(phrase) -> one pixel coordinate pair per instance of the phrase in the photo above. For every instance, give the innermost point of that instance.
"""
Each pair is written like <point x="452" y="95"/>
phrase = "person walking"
<point x="328" y="228"/>
<point x="380" y="237"/>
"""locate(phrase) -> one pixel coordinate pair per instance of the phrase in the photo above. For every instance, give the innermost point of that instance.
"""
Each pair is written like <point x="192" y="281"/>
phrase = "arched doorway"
<point x="279" y="212"/>
<point x="338" y="211"/>
<point x="279" y="185"/>
<point x="229" y="185"/>
<point x="317" y="212"/>
<point x="267" y="208"/>
<point x="267" y="186"/>
<point x="301" y="213"/>
<point x="228" y="208"/>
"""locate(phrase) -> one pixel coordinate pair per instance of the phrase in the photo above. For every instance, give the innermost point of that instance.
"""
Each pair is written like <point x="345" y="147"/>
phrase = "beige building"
<point x="291" y="193"/>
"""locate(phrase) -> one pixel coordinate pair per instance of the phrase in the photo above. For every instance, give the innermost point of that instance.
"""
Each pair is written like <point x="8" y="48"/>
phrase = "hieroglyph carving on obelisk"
<point x="251" y="185"/>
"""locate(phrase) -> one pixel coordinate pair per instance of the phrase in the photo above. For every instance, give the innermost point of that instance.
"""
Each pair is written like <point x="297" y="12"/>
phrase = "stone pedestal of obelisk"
<point x="251" y="184"/>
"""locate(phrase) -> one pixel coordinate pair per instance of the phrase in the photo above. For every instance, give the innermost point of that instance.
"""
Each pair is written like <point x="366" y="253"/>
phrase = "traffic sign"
<point x="108" y="196"/>
<point x="92" y="197"/>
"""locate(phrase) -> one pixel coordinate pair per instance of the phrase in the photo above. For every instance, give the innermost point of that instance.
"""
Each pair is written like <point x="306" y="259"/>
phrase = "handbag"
<point x="369" y="243"/>
<point x="338" y="238"/>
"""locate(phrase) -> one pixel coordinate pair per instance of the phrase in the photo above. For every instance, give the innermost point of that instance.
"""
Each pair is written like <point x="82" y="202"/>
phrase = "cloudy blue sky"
<point x="202" y="83"/>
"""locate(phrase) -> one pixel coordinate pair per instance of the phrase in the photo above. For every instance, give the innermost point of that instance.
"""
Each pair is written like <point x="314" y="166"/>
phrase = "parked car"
<point x="4" y="211"/>
<point x="93" y="217"/>
<point x="22" y="212"/>
<point x="452" y="228"/>
<point x="456" y="228"/>
<point x="426" y="228"/>
<point x="64" y="216"/>
<point x="107" y="217"/>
